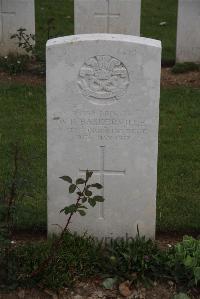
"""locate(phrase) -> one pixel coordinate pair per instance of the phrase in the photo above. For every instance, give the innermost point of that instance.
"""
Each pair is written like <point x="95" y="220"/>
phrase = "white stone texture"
<point x="103" y="112"/>
<point x="107" y="16"/>
<point x="188" y="31"/>
<point x="15" y="14"/>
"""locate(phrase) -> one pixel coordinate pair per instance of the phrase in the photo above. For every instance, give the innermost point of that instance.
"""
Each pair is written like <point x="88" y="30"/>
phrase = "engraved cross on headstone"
<point x="108" y="15"/>
<point x="102" y="172"/>
<point x="2" y="15"/>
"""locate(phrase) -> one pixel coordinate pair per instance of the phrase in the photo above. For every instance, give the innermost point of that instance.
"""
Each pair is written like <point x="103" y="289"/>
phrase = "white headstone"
<point x="15" y="14"/>
<point x="103" y="111"/>
<point x="107" y="16"/>
<point x="188" y="31"/>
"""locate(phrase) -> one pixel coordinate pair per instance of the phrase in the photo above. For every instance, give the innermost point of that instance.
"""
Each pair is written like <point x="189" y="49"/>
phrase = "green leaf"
<point x="82" y="212"/>
<point x="98" y="198"/>
<point x="97" y="185"/>
<point x="92" y="202"/>
<point x="109" y="283"/>
<point x="72" y="188"/>
<point x="88" y="174"/>
<point x="82" y="207"/>
<point x="197" y="274"/>
<point x="80" y="181"/>
<point x="84" y="199"/>
<point x="88" y="192"/>
<point x="189" y="261"/>
<point x="72" y="209"/>
<point x="67" y="210"/>
<point x="66" y="178"/>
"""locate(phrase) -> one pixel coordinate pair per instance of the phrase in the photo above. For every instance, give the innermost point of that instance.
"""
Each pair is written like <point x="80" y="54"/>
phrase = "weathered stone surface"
<point x="107" y="16"/>
<point x="15" y="14"/>
<point x="188" y="31"/>
<point x="103" y="111"/>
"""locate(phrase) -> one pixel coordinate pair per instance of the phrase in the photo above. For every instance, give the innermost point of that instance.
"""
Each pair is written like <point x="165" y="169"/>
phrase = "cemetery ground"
<point x="23" y="120"/>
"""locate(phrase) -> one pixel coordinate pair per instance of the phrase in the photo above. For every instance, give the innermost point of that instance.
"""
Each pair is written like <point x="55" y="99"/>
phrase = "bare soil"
<point x="94" y="290"/>
<point x="190" y="79"/>
<point x="27" y="78"/>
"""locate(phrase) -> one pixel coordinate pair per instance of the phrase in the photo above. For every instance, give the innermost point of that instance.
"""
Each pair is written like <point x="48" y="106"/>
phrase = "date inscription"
<point x="102" y="125"/>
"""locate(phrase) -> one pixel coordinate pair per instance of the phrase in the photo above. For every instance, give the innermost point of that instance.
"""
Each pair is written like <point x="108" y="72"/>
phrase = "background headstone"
<point x="188" y="31"/>
<point x="103" y="111"/>
<point x="15" y="14"/>
<point x="107" y="16"/>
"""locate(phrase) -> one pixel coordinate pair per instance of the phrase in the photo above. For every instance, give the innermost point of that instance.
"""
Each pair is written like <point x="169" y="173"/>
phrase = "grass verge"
<point x="22" y="121"/>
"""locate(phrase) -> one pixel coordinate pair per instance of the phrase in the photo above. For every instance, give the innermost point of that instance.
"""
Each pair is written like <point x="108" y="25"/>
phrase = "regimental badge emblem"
<point x="103" y="79"/>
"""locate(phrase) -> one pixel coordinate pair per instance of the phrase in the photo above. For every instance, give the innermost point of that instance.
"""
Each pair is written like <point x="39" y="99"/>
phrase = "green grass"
<point x="77" y="258"/>
<point x="153" y="13"/>
<point x="178" y="200"/>
<point x="22" y="117"/>
<point x="54" y="18"/>
<point x="58" y="15"/>
<point x="22" y="120"/>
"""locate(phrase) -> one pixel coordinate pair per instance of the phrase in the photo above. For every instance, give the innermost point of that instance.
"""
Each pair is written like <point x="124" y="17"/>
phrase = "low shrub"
<point x="184" y="262"/>
<point x="136" y="260"/>
<point x="14" y="64"/>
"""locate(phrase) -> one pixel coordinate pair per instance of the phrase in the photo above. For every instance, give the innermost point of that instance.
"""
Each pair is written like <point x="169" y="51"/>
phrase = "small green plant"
<point x="185" y="67"/>
<point x="25" y="40"/>
<point x="185" y="262"/>
<point x="14" y="64"/>
<point x="84" y="195"/>
<point x="134" y="259"/>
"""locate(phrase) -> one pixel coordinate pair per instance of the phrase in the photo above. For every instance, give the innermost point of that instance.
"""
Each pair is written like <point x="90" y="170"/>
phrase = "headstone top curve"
<point x="103" y="37"/>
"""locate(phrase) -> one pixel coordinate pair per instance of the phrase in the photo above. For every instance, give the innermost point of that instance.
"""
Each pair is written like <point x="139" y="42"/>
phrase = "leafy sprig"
<point x="84" y="192"/>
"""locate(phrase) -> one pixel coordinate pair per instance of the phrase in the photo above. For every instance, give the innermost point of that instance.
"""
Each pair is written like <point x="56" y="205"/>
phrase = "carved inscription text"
<point x="102" y="125"/>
